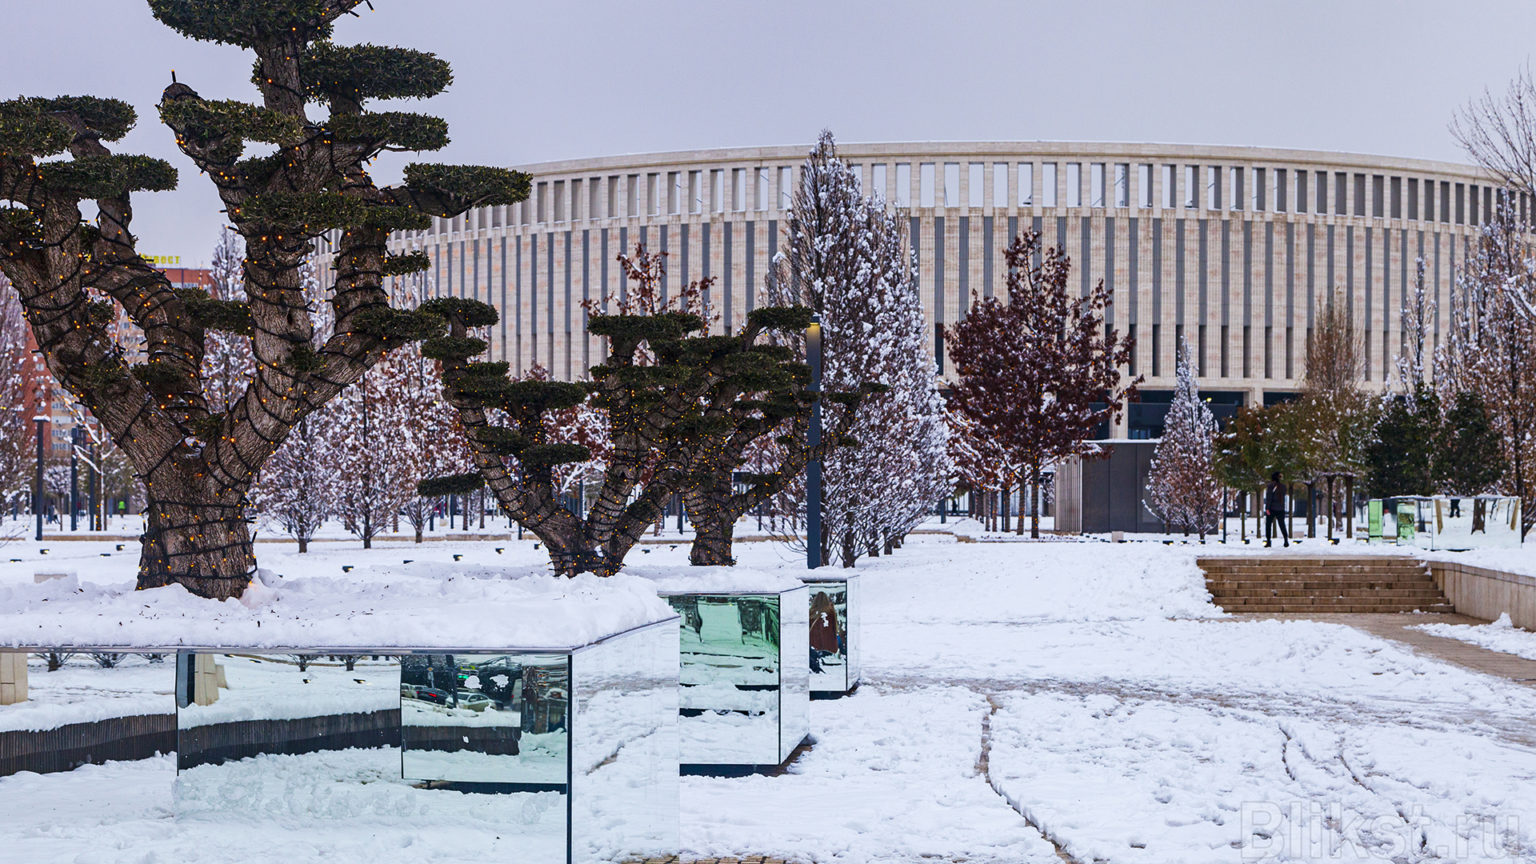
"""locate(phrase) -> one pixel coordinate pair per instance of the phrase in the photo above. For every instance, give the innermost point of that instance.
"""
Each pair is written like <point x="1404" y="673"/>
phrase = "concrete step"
<point x="1317" y="584"/>
<point x="1313" y="580"/>
<point x="1384" y="593"/>
<point x="1339" y="608"/>
<point x="1288" y="567"/>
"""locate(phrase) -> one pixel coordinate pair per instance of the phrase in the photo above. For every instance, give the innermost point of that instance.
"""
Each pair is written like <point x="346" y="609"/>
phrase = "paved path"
<point x="1398" y="627"/>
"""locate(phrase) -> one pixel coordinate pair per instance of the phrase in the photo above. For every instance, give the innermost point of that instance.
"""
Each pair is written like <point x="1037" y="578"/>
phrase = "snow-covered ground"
<point x="1501" y="635"/>
<point x="1018" y="699"/>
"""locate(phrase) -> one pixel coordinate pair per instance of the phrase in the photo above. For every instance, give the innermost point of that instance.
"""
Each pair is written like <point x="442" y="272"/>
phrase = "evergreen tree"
<point x="309" y="178"/>
<point x="1181" y="486"/>
<point x="1400" y="456"/>
<point x="845" y="256"/>
<point x="667" y="394"/>
<point x="1470" y="454"/>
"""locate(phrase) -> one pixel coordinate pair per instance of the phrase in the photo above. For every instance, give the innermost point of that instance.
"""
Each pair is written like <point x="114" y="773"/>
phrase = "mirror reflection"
<point x="729" y="676"/>
<point x="485" y="718"/>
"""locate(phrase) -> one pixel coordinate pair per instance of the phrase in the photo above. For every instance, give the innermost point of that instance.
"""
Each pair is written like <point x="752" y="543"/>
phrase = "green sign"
<point x="1373" y="514"/>
<point x="1405" y="518"/>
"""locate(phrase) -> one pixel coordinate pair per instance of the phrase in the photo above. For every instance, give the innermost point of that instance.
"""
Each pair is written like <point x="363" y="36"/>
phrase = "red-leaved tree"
<point x="1039" y="372"/>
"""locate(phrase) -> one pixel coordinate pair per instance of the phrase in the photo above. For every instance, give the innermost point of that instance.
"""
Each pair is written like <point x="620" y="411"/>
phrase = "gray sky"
<point x="566" y="79"/>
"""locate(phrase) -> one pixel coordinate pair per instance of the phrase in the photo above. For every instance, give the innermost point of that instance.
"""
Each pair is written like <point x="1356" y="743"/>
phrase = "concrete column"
<point x="13" y="677"/>
<point x="205" y="679"/>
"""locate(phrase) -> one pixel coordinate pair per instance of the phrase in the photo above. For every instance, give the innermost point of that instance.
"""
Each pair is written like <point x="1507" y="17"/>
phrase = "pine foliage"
<point x="1181" y="486"/>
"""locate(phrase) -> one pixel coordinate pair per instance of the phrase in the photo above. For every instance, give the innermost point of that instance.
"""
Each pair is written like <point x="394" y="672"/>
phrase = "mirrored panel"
<point x="795" y="680"/>
<point x="624" y="782"/>
<point x="265" y="732"/>
<point x="61" y="708"/>
<point x="498" y="719"/>
<point x="729" y="677"/>
<point x="1481" y="522"/>
<point x="830" y="667"/>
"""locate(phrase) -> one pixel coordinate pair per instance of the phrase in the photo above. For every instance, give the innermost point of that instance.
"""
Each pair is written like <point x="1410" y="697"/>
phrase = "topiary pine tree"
<point x="198" y="464"/>
<point x="1182" y="487"/>
<point x="670" y="396"/>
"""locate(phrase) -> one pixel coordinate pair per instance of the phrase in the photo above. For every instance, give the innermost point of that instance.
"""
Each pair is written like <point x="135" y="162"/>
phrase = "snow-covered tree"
<point x="293" y="490"/>
<point x="15" y="427"/>
<point x="228" y="364"/>
<point x="1039" y="372"/>
<point x="1419" y="311"/>
<point x="846" y="257"/>
<point x="1491" y="347"/>
<point x="374" y="433"/>
<point x="1181" y="487"/>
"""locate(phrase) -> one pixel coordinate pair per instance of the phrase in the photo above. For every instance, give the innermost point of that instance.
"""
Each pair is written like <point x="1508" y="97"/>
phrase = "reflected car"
<point x="433" y="695"/>
<point x="408" y="691"/>
<point x="473" y="701"/>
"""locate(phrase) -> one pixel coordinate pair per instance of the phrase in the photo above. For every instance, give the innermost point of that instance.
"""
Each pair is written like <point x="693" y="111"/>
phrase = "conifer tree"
<point x="1181" y="486"/>
<point x="1399" y="459"/>
<point x="1469" y="453"/>
<point x="667" y="393"/>
<point x="845" y="256"/>
<point x="307" y="178"/>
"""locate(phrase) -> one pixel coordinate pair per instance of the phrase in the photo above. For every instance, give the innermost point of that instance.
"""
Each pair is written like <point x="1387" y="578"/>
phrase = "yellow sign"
<point x="163" y="260"/>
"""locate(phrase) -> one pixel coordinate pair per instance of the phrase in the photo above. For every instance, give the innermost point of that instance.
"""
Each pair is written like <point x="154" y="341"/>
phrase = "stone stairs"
<point x="1300" y="584"/>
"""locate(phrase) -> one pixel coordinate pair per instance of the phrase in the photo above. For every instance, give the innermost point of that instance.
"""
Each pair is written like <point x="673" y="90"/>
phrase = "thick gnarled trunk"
<point x="714" y="523"/>
<point x="202" y="545"/>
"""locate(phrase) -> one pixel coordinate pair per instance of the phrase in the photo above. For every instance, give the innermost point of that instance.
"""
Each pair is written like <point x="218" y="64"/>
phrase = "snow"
<point x="717" y="580"/>
<point x="1017" y="697"/>
<point x="1501" y="635"/>
<point x="423" y="603"/>
<point x="83" y="692"/>
<point x="263" y="688"/>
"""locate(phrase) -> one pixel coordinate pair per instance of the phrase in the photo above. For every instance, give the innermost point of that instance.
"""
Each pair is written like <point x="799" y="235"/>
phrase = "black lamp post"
<point x="813" y="440"/>
<point x="74" y="477"/>
<point x="37" y="486"/>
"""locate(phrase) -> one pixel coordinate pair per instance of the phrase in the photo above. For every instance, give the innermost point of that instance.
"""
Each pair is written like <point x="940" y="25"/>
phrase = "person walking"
<point x="1274" y="510"/>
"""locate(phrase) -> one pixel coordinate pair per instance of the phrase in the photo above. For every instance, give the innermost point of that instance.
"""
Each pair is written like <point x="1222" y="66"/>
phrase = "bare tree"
<point x="1039" y="372"/>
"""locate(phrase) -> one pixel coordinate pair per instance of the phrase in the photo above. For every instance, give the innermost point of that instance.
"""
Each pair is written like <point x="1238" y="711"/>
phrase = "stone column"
<point x="13" y="677"/>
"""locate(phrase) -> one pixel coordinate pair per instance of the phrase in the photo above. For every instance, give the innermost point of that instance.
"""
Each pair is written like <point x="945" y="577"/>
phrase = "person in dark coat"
<point x="825" y="629"/>
<point x="1274" y="510"/>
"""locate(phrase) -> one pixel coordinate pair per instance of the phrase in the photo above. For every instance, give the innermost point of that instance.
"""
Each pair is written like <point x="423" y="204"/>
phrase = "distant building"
<point x="1228" y="247"/>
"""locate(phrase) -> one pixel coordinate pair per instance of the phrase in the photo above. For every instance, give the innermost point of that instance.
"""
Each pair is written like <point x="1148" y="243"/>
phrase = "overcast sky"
<point x="566" y="79"/>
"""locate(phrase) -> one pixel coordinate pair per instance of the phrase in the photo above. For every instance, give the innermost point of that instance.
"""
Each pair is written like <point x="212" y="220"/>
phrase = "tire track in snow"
<point x="984" y="768"/>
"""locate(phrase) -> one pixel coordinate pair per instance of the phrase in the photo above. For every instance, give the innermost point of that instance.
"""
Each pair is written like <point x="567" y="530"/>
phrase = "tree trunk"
<point x="1002" y="500"/>
<point x="418" y="531"/>
<point x="1034" y="508"/>
<point x="367" y="531"/>
<point x="713" y="533"/>
<point x="303" y="545"/>
<point x="1349" y="507"/>
<point x="202" y="545"/>
<point x="850" y="545"/>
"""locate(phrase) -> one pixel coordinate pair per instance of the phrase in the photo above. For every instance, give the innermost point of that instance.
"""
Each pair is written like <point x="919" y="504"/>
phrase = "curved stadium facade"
<point x="1231" y="248"/>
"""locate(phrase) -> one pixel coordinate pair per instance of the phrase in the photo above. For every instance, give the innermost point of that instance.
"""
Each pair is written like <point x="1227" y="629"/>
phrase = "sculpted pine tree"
<point x="312" y="179"/>
<point x="666" y="391"/>
<point x="1040" y="371"/>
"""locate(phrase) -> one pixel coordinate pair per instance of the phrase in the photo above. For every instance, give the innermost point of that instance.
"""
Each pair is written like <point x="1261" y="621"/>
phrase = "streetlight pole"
<point x="813" y="440"/>
<point x="37" y="486"/>
<point x="74" y="477"/>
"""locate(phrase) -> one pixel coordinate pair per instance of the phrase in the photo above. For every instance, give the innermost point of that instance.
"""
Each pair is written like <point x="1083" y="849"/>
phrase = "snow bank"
<point x="1501" y="635"/>
<point x="740" y="579"/>
<point x="420" y="604"/>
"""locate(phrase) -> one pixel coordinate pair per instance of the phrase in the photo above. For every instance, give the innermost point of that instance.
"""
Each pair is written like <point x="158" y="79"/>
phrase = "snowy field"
<point x="1076" y="701"/>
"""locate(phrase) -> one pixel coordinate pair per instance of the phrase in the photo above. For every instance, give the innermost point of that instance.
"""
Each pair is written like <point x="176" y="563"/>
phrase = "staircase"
<point x="1300" y="584"/>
